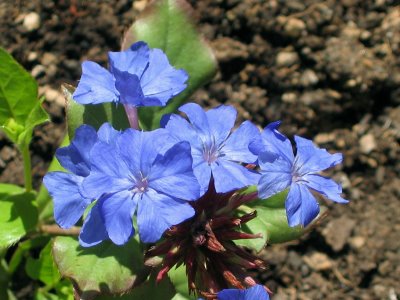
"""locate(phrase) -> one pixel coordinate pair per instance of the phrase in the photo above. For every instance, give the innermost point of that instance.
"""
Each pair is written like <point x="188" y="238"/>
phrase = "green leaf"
<point x="271" y="222"/>
<point x="18" y="214"/>
<point x="43" y="268"/>
<point x="20" y="109"/>
<point x="63" y="290"/>
<point x="179" y="280"/>
<point x="23" y="248"/>
<point x="168" y="25"/>
<point x="148" y="290"/>
<point x="105" y="268"/>
<point x="94" y="115"/>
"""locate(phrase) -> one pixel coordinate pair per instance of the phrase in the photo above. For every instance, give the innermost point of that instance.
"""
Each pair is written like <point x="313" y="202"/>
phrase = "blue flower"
<point x="217" y="153"/>
<point x="137" y="77"/>
<point x="256" y="292"/>
<point x="280" y="169"/>
<point x="70" y="201"/>
<point x="143" y="172"/>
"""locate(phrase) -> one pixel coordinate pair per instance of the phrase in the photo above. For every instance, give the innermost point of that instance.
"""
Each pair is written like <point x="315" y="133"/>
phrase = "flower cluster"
<point x="184" y="181"/>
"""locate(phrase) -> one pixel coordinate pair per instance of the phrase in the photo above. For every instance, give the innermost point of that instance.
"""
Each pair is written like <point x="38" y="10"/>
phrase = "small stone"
<point x="286" y="58"/>
<point x="32" y="56"/>
<point x="385" y="267"/>
<point x="48" y="59"/>
<point x="294" y="27"/>
<point x="379" y="290"/>
<point x="139" y="5"/>
<point x="365" y="35"/>
<point x="289" y="97"/>
<point x="38" y="71"/>
<point x="31" y="21"/>
<point x="318" y="261"/>
<point x="71" y="64"/>
<point x="7" y="153"/>
<point x="337" y="232"/>
<point x="357" y="242"/>
<point x="53" y="95"/>
<point x="324" y="138"/>
<point x="367" y="143"/>
<point x="309" y="78"/>
<point x="51" y="70"/>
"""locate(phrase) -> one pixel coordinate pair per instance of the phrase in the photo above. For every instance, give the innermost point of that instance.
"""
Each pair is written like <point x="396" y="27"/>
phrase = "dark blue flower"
<point x="256" y="292"/>
<point x="70" y="201"/>
<point x="143" y="172"/>
<point x="138" y="76"/>
<point x="216" y="152"/>
<point x="280" y="169"/>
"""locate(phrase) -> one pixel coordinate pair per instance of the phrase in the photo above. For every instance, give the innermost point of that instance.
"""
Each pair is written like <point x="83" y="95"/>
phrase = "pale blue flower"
<point x="138" y="76"/>
<point x="280" y="170"/>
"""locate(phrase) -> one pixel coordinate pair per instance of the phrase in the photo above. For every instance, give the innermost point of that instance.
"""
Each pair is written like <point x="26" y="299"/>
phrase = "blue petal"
<point x="109" y="172"/>
<point x="158" y="212"/>
<point x="76" y="156"/>
<point x="256" y="292"/>
<point x="221" y="121"/>
<point x="139" y="149"/>
<point x="198" y="119"/>
<point x="184" y="131"/>
<point x="232" y="294"/>
<point x="96" y="85"/>
<point x="133" y="60"/>
<point x="69" y="204"/>
<point x="229" y="176"/>
<point x="311" y="159"/>
<point x="128" y="86"/>
<point x="273" y="141"/>
<point x="117" y="211"/>
<point x="93" y="231"/>
<point x="301" y="206"/>
<point x="202" y="171"/>
<point x="325" y="186"/>
<point x="108" y="134"/>
<point x="172" y="173"/>
<point x="236" y="147"/>
<point x="161" y="81"/>
<point x="275" y="177"/>
<point x="99" y="183"/>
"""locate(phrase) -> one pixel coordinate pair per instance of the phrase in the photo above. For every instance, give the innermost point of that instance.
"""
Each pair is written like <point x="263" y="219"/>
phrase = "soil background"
<point x="330" y="70"/>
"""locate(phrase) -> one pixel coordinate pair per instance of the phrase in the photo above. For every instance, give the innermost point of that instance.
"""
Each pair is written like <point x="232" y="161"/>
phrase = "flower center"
<point x="141" y="186"/>
<point x="210" y="153"/>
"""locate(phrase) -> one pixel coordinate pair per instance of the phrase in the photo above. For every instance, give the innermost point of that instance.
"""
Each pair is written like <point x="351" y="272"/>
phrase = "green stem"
<point x="27" y="167"/>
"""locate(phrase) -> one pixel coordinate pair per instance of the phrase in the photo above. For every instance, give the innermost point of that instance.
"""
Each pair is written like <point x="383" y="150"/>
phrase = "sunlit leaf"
<point x="18" y="214"/>
<point x="20" y="109"/>
<point x="168" y="25"/>
<point x="106" y="268"/>
<point x="43" y="268"/>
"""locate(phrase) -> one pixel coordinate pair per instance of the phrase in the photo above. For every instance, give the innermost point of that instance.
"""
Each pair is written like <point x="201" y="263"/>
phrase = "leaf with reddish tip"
<point x="168" y="25"/>
<point x="103" y="269"/>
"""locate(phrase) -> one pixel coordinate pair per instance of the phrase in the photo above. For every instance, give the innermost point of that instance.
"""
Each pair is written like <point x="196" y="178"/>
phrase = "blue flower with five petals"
<point x="280" y="169"/>
<point x="144" y="172"/>
<point x="138" y="76"/>
<point x="217" y="152"/>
